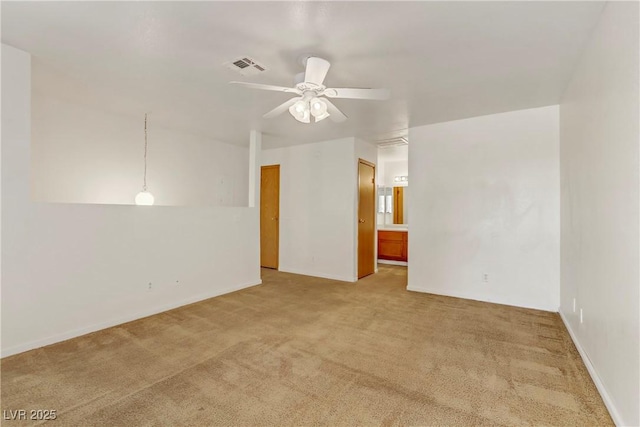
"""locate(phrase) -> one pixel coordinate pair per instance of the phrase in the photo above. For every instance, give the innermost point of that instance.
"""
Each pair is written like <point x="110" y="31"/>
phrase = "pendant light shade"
<point x="144" y="198"/>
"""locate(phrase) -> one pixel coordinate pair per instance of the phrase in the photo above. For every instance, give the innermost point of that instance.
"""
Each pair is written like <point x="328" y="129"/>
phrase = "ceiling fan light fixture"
<point x="321" y="116"/>
<point x="319" y="109"/>
<point x="300" y="111"/>
<point x="300" y="107"/>
<point x="316" y="105"/>
<point x="306" y="117"/>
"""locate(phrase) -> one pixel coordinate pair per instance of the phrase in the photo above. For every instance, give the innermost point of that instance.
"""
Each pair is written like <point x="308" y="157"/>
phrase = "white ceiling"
<point x="441" y="60"/>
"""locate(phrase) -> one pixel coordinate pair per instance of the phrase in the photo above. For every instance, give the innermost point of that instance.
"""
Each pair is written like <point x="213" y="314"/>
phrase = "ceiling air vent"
<point x="393" y="142"/>
<point x="245" y="66"/>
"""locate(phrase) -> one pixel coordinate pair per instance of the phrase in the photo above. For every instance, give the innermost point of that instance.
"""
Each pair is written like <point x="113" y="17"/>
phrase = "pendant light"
<point x="144" y="198"/>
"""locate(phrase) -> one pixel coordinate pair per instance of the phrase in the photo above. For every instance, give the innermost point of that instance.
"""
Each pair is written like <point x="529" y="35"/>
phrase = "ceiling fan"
<point x="312" y="100"/>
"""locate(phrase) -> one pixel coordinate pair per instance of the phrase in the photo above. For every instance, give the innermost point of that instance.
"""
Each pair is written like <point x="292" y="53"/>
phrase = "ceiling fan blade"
<point x="316" y="70"/>
<point x="334" y="113"/>
<point x="280" y="108"/>
<point x="267" y="87"/>
<point x="377" y="94"/>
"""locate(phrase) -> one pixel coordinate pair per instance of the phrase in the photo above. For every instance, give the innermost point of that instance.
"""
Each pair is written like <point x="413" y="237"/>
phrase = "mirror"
<point x="392" y="206"/>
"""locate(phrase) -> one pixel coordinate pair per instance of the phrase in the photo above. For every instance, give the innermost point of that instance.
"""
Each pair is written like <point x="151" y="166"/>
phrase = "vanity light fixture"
<point x="145" y="198"/>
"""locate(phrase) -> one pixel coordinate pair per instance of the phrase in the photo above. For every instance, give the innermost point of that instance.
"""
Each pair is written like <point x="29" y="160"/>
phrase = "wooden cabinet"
<point x="393" y="245"/>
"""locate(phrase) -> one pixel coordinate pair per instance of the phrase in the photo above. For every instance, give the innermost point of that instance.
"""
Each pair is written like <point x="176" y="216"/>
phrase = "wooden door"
<point x="366" y="218"/>
<point x="269" y="215"/>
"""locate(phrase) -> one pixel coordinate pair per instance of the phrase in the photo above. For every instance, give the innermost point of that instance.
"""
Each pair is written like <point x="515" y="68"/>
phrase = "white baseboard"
<point x="31" y="345"/>
<point x="317" y="274"/>
<point x="392" y="262"/>
<point x="464" y="295"/>
<point x="606" y="397"/>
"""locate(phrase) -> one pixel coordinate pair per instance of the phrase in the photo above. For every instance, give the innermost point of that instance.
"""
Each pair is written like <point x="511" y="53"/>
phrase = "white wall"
<point x="485" y="200"/>
<point x="81" y="155"/>
<point x="365" y="150"/>
<point x="318" y="206"/>
<point x="71" y="269"/>
<point x="393" y="169"/>
<point x="392" y="161"/>
<point x="600" y="195"/>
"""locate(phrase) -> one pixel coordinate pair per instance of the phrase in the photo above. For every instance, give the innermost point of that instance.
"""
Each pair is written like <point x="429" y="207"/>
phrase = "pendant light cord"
<point x="144" y="186"/>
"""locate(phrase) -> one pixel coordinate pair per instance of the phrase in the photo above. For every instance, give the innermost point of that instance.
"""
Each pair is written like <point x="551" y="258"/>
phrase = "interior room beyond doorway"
<point x="393" y="204"/>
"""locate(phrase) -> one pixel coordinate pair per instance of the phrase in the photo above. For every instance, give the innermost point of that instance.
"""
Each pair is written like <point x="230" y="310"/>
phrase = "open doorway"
<point x="393" y="199"/>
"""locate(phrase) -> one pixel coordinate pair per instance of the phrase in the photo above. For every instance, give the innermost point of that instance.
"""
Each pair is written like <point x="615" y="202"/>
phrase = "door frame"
<point x="373" y="217"/>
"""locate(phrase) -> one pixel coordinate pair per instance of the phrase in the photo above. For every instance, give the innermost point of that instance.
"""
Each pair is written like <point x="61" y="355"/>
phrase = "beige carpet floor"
<point x="305" y="351"/>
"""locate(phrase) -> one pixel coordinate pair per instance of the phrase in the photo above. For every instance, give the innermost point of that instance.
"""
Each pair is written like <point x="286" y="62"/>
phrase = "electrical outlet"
<point x="150" y="285"/>
<point x="580" y="315"/>
<point x="485" y="278"/>
<point x="177" y="282"/>
<point x="574" y="305"/>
